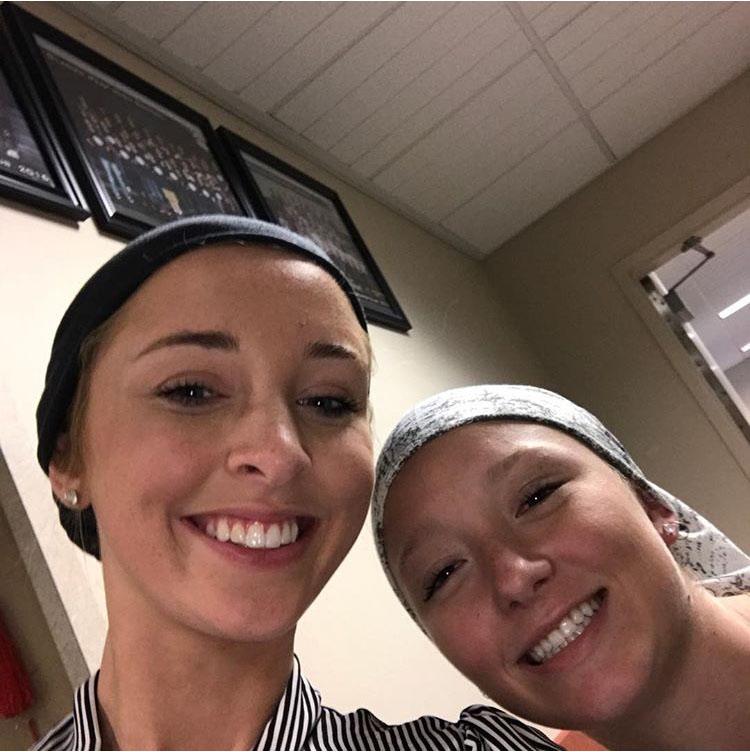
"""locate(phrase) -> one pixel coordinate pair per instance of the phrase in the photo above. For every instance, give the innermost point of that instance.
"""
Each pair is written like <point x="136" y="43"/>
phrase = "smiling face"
<point x="531" y="564"/>
<point x="227" y="448"/>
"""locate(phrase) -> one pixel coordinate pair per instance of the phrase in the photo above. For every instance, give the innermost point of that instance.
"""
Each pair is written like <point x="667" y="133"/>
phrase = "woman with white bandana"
<point x="529" y="546"/>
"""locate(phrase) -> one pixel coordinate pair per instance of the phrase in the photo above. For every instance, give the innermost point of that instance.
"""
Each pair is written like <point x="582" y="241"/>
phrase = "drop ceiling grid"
<point x="406" y="98"/>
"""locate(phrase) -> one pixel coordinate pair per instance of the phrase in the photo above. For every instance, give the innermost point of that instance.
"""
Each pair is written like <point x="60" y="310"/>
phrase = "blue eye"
<point x="538" y="497"/>
<point x="439" y="578"/>
<point x="330" y="407"/>
<point x="188" y="393"/>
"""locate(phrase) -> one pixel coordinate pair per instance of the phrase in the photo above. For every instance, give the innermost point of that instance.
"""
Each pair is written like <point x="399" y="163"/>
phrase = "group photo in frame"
<point x="142" y="158"/>
<point x="282" y="194"/>
<point x="33" y="169"/>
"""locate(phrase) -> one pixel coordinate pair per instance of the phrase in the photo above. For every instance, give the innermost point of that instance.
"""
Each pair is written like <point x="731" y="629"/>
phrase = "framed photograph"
<point x="279" y="193"/>
<point x="33" y="169"/>
<point x="142" y="158"/>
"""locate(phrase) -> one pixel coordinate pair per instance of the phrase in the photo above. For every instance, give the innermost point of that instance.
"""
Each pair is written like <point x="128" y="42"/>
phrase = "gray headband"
<point x="719" y="564"/>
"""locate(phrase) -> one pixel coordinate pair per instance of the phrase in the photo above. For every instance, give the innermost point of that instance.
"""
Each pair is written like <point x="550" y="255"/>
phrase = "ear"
<point x="661" y="516"/>
<point x="61" y="480"/>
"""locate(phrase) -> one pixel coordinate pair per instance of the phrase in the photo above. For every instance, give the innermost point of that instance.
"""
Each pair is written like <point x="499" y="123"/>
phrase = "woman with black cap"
<point x="205" y="428"/>
<point x="550" y="571"/>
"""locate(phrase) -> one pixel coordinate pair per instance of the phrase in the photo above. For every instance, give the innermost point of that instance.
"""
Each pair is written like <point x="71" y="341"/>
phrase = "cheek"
<point x="142" y="471"/>
<point x="345" y="470"/>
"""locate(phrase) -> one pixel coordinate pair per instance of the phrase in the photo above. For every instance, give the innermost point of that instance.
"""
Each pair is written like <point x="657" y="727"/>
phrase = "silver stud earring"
<point x="71" y="497"/>
<point x="671" y="529"/>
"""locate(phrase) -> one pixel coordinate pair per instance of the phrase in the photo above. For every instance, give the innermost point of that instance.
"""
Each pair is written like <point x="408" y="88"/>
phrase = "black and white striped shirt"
<point x="302" y="722"/>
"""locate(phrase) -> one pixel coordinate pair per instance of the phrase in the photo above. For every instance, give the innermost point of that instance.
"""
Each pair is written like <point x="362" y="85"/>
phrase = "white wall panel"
<point x="529" y="190"/>
<point x="448" y="31"/>
<point x="323" y="45"/>
<point x="356" y="64"/>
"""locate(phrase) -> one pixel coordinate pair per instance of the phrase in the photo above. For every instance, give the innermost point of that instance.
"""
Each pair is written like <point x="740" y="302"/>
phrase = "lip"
<point x="554" y="622"/>
<point x="255" y="514"/>
<point x="263" y="558"/>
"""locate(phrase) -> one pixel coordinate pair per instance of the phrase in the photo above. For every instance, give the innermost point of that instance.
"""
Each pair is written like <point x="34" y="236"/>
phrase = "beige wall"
<point x="355" y="643"/>
<point x="566" y="279"/>
<point x="739" y="376"/>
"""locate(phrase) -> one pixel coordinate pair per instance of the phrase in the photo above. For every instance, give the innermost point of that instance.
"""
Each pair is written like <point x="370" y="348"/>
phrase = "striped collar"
<point x="289" y="727"/>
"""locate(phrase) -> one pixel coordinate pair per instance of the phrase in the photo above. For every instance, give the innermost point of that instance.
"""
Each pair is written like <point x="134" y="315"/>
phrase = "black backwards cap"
<point x="108" y="289"/>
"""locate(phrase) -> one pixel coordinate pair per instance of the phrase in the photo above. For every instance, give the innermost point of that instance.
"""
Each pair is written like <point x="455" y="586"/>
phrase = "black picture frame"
<point x="141" y="157"/>
<point x="33" y="168"/>
<point x="276" y="189"/>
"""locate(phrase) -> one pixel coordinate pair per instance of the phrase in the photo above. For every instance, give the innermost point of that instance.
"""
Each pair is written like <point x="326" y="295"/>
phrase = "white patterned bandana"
<point x="719" y="565"/>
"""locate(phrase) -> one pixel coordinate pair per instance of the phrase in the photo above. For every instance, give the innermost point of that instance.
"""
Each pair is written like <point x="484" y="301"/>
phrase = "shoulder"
<point x="59" y="737"/>
<point x="478" y="727"/>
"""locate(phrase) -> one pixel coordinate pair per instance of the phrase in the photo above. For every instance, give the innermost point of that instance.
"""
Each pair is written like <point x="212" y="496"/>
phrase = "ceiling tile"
<point x="583" y="27"/>
<point x="435" y="84"/>
<point x="211" y="29"/>
<point x="320" y="47"/>
<point x="624" y="59"/>
<point x="447" y="32"/>
<point x="515" y="85"/>
<point x="266" y="41"/>
<point x="430" y="117"/>
<point x="677" y="82"/>
<point x="555" y="16"/>
<point x="357" y="63"/>
<point x="154" y="20"/>
<point x="529" y="190"/>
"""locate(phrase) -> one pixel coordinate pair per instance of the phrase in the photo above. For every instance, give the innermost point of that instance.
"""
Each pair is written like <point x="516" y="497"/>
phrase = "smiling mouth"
<point x="252" y="533"/>
<point x="570" y="628"/>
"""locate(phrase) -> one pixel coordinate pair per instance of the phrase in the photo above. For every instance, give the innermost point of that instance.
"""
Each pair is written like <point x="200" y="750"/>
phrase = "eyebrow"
<point x="321" y="349"/>
<point x="211" y="340"/>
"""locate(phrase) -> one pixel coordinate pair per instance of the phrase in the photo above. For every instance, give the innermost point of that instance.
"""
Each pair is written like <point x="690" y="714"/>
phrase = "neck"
<point x="165" y="686"/>
<point x="705" y="703"/>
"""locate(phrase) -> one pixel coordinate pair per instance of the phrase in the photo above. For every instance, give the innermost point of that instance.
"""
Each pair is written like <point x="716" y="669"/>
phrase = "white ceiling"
<point x="473" y="118"/>
<point x="722" y="281"/>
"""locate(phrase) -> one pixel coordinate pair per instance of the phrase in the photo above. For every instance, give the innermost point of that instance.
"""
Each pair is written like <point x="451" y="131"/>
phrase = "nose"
<point x="267" y="446"/>
<point x="518" y="576"/>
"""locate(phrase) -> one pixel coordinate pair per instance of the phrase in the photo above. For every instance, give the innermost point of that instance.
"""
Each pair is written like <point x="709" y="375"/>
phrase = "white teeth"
<point x="237" y="534"/>
<point x="571" y="627"/>
<point x="273" y="536"/>
<point x="286" y="534"/>
<point x="255" y="536"/>
<point x="222" y="530"/>
<point x="252" y="535"/>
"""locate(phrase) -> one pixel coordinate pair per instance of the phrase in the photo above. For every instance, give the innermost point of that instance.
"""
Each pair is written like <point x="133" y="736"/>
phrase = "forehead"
<point x="236" y="285"/>
<point x="462" y="456"/>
